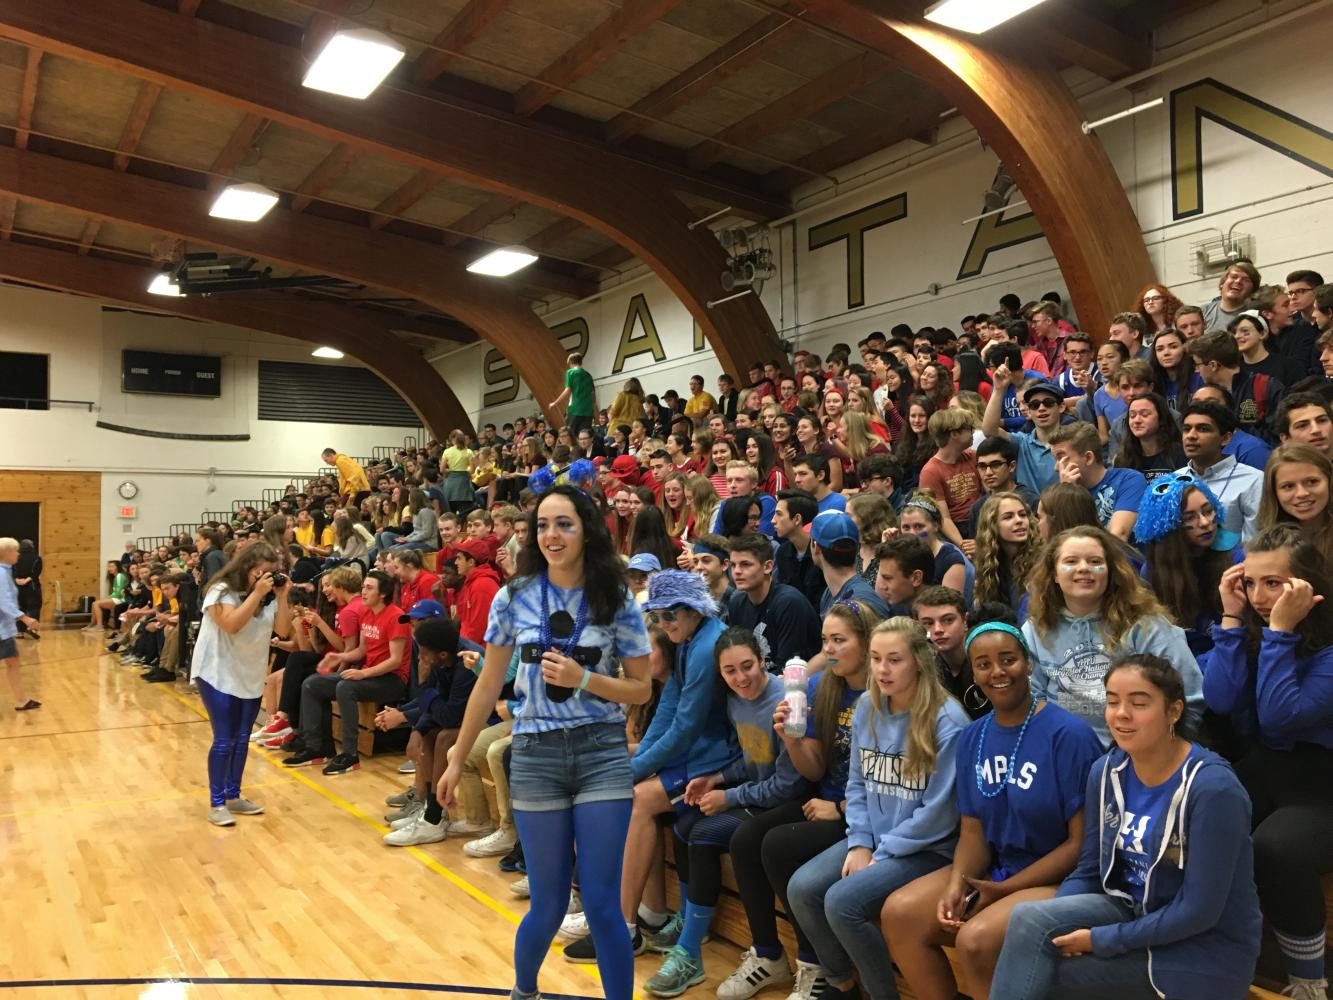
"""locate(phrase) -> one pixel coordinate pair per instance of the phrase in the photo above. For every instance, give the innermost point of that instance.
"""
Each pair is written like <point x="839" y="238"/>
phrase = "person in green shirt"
<point x="580" y="394"/>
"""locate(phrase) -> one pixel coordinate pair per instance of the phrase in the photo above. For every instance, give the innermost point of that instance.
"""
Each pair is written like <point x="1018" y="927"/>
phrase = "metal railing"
<point x="42" y="403"/>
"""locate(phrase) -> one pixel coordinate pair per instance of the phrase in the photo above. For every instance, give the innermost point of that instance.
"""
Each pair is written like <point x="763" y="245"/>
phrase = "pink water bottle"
<point x="795" y="676"/>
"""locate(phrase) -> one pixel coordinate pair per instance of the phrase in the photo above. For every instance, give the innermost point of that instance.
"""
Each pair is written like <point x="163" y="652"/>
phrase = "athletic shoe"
<point x="811" y="983"/>
<point x="304" y="758"/>
<point x="575" y="903"/>
<point x="514" y="994"/>
<point x="462" y="828"/>
<point x="573" y="927"/>
<point x="219" y="816"/>
<point x="664" y="939"/>
<point x="402" y="798"/>
<point x="407" y="767"/>
<point x="520" y="888"/>
<point x="277" y="727"/>
<point x="244" y="807"/>
<point x="679" y="972"/>
<point x="418" y="831"/>
<point x="90" y="627"/>
<point x="500" y="842"/>
<point x="584" y="951"/>
<point x="754" y="974"/>
<point x="342" y="764"/>
<point x="158" y="675"/>
<point x="28" y="705"/>
<point x="414" y="808"/>
<point x="281" y="742"/>
<point x="1307" y="989"/>
<point x="513" y="861"/>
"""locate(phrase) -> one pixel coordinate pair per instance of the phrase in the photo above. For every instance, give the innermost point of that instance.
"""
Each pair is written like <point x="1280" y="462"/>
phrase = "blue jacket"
<point x="690" y="726"/>
<point x="9" y="603"/>
<point x="1200" y="923"/>
<point x="1281" y="698"/>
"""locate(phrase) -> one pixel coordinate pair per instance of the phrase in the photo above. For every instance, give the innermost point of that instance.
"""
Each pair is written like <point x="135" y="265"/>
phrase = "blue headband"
<point x="1004" y="627"/>
<point x="704" y="549"/>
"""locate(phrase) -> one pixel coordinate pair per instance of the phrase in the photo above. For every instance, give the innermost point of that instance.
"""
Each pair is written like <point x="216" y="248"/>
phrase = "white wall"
<point x="912" y="265"/>
<point x="177" y="480"/>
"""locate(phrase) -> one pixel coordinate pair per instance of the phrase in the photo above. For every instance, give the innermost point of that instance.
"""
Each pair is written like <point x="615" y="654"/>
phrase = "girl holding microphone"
<point x="245" y="603"/>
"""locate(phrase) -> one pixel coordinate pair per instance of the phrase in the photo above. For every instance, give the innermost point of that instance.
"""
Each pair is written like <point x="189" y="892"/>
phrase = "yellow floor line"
<point x="431" y="863"/>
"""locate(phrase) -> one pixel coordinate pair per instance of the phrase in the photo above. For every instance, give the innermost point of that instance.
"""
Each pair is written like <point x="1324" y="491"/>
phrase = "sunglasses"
<point x="1043" y="403"/>
<point x="667" y="616"/>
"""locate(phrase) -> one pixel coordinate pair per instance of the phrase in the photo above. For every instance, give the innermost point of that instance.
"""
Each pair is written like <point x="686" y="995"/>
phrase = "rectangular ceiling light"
<point x="163" y="284"/>
<point x="976" y="16"/>
<point x="243" y="202"/>
<point x="326" y="352"/>
<point x="504" y="261"/>
<point x="354" y="63"/>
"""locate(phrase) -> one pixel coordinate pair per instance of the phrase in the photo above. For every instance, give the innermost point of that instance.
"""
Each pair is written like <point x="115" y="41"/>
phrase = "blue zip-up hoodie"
<point x="1282" y="699"/>
<point x="1070" y="662"/>
<point x="892" y="814"/>
<point x="690" y="726"/>
<point x="1201" y="922"/>
<point x="766" y="774"/>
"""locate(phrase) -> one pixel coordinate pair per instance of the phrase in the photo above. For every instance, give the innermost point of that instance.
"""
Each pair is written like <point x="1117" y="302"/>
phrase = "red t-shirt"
<point x="957" y="486"/>
<point x="347" y="623"/>
<point x="417" y="590"/>
<point x="378" y="630"/>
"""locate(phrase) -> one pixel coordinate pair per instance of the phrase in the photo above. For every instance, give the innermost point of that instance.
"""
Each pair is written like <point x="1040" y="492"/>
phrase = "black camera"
<point x="278" y="580"/>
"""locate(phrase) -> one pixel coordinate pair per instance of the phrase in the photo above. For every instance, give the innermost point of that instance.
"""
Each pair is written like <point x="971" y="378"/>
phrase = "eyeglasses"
<point x="1205" y="515"/>
<point x="991" y="466"/>
<point x="1152" y="298"/>
<point x="1043" y="403"/>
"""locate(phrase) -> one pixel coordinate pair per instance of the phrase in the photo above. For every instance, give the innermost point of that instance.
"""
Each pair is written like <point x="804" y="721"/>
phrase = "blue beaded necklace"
<point x="546" y="639"/>
<point x="1013" y="754"/>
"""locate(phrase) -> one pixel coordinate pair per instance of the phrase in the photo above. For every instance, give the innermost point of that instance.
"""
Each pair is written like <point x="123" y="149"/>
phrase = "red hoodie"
<point x="474" y="601"/>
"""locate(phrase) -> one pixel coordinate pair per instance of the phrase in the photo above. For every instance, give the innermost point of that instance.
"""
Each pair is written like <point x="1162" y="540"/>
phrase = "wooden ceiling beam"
<point x="433" y="275"/>
<point x="239" y="143"/>
<point x="136" y="123"/>
<point x="411" y="191"/>
<point x="8" y="209"/>
<point x="358" y="333"/>
<point x="745" y="49"/>
<point x="470" y="22"/>
<point x="188" y="7"/>
<point x="553" y="234"/>
<point x="491" y="210"/>
<point x="28" y="97"/>
<point x="1081" y="38"/>
<point x="318" y="180"/>
<point x="589" y="52"/>
<point x="842" y="81"/>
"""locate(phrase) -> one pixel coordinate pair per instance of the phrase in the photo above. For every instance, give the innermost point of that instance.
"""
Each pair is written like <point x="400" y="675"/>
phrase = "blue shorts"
<point x="562" y="768"/>
<point x="9" y="648"/>
<point x="674" y="778"/>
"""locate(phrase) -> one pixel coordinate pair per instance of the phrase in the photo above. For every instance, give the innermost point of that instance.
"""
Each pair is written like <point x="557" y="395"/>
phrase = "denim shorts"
<point x="9" y="649"/>
<point x="562" y="768"/>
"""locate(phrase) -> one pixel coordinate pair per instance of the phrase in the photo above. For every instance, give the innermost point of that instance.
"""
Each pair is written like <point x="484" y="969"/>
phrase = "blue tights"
<point x="598" y="830"/>
<point x="231" y="718"/>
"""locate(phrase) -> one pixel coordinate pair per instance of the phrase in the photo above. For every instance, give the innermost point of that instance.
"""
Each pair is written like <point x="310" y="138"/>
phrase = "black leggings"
<point x="700" y="843"/>
<point x="299" y="666"/>
<point x="1292" y="794"/>
<point x="765" y="853"/>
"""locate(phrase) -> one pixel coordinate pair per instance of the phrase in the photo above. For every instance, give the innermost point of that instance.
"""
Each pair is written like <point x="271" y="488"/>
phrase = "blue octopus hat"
<point x="1160" y="510"/>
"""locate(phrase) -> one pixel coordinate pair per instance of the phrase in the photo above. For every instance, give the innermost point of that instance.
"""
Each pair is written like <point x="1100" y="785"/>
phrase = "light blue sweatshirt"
<point x="888" y="812"/>
<point x="9" y="603"/>
<point x="1070" y="662"/>
<point x="764" y="776"/>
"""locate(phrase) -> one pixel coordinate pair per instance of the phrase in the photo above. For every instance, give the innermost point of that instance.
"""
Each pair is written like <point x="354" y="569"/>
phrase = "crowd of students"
<point x="1063" y="609"/>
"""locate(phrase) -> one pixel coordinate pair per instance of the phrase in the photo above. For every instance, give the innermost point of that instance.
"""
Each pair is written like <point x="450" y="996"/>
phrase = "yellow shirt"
<point x="456" y="459"/>
<point x="697" y="406"/>
<point x="305" y="536"/>
<point x="351" y="477"/>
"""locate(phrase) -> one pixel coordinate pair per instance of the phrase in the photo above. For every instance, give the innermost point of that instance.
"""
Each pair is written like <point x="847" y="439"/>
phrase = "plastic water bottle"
<point x="795" y="676"/>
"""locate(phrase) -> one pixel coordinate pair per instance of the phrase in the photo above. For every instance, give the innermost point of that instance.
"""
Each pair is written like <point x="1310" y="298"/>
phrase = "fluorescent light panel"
<point x="976" y="16"/>
<point x="162" y="284"/>
<point x="243" y="202"/>
<point x="353" y="63"/>
<point x="326" y="352"/>
<point x="503" y="261"/>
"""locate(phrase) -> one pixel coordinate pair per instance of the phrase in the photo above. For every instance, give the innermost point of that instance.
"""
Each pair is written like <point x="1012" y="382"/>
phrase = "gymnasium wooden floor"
<point x="112" y="884"/>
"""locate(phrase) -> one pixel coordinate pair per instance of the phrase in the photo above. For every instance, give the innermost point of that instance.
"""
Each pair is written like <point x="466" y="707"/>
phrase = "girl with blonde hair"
<point x="902" y="817"/>
<point x="703" y="500"/>
<point x="1006" y="549"/>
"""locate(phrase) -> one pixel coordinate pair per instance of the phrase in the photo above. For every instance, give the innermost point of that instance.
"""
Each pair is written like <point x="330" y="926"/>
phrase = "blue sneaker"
<point x="679" y="972"/>
<point x="665" y="937"/>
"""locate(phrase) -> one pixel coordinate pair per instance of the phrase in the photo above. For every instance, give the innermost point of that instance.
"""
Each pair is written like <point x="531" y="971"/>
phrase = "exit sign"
<point x="128" y="512"/>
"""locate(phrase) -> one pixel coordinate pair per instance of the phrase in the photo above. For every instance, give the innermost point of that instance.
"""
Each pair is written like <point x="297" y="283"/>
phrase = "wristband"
<point x="583" y="683"/>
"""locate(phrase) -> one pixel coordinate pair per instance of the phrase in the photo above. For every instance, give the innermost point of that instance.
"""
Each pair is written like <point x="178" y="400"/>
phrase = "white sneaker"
<point x="413" y="813"/>
<point x="811" y="982"/>
<point x="520" y="888"/>
<point x="575" y="902"/>
<point x="1307" y="989"/>
<point x="573" y="927"/>
<point x="416" y="832"/>
<point x="407" y="767"/>
<point x="219" y="816"/>
<point x="754" y="974"/>
<point x="462" y="828"/>
<point x="500" y="842"/>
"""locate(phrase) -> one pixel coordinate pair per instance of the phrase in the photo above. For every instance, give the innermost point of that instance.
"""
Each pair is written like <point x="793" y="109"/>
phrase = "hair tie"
<point x="1004" y="627"/>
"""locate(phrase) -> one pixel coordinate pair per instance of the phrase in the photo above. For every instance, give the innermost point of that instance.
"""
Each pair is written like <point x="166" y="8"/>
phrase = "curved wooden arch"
<point x="1024" y="111"/>
<point x="357" y="336"/>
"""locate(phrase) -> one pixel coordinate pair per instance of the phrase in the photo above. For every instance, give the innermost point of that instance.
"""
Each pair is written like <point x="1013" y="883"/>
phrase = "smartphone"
<point x="970" y="901"/>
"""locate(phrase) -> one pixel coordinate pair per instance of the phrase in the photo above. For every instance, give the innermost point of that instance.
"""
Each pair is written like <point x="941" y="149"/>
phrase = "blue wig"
<point x="1160" y="509"/>
<point x="541" y="480"/>
<point x="581" y="473"/>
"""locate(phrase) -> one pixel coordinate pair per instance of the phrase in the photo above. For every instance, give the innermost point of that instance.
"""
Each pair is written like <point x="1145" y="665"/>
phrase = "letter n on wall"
<point x="1281" y="132"/>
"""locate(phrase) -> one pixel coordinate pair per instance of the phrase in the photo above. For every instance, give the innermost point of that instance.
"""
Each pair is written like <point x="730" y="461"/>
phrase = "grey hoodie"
<point x="1070" y="662"/>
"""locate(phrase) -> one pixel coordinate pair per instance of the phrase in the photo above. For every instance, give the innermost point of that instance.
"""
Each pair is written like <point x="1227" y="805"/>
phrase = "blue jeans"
<point x="231" y="719"/>
<point x="1030" y="967"/>
<point x="841" y="915"/>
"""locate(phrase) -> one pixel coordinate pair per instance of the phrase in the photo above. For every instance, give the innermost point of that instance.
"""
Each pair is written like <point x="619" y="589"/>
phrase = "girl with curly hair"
<point x="1006" y="549"/>
<point x="1157" y="306"/>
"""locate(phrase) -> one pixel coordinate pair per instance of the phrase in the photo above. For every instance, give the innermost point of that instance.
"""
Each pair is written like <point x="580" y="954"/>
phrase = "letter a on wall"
<point x="630" y="346"/>
<point x="851" y="229"/>
<point x="996" y="233"/>
<point x="1245" y="115"/>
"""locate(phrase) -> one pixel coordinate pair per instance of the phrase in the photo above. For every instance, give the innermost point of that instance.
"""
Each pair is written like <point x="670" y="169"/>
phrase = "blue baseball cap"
<point x="645" y="562"/>
<point x="1044" y="386"/>
<point x="832" y="528"/>
<point x="423" y="609"/>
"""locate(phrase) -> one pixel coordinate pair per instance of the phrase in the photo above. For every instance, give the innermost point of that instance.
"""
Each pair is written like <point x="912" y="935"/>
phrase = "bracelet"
<point x="583" y="684"/>
<point x="842" y="812"/>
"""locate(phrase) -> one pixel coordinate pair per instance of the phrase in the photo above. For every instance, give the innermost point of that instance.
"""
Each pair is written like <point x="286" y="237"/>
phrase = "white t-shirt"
<point x="233" y="664"/>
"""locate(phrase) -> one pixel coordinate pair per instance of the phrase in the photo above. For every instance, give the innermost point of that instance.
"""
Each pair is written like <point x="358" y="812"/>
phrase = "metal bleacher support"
<point x="221" y="516"/>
